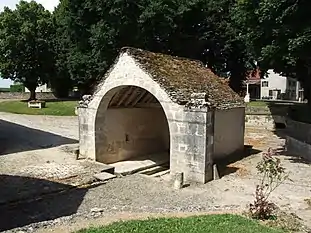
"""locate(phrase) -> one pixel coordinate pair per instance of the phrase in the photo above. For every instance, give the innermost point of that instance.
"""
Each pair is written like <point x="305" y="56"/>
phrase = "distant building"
<point x="42" y="88"/>
<point x="273" y="87"/>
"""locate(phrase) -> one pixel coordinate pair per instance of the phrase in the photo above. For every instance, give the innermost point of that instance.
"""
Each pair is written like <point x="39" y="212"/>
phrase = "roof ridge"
<point x="129" y="49"/>
<point x="180" y="77"/>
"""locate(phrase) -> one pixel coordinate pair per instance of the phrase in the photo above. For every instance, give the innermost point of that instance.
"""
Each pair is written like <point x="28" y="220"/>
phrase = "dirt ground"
<point x="45" y="189"/>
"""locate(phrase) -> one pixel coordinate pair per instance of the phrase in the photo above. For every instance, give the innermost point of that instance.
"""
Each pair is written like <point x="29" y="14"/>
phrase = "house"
<point x="274" y="86"/>
<point x="152" y="106"/>
<point x="41" y="88"/>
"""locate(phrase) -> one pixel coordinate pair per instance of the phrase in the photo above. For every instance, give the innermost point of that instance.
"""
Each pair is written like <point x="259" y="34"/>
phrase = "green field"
<point x="257" y="104"/>
<point x="200" y="224"/>
<point x="57" y="108"/>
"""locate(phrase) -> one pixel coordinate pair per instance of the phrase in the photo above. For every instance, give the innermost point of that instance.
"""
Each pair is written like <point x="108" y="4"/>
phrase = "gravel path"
<point x="131" y="195"/>
<point x="63" y="126"/>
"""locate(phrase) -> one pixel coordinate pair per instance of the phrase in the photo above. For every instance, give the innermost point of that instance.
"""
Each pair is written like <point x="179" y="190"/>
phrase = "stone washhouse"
<point x="151" y="103"/>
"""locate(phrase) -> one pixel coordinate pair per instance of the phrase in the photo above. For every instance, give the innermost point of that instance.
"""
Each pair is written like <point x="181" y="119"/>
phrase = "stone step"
<point x="141" y="163"/>
<point x="103" y="176"/>
<point x="161" y="173"/>
<point x="152" y="170"/>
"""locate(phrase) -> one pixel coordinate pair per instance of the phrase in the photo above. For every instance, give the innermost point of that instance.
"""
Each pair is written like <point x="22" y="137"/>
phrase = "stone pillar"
<point x="86" y="134"/>
<point x="192" y="142"/>
<point x="247" y="96"/>
<point x="178" y="180"/>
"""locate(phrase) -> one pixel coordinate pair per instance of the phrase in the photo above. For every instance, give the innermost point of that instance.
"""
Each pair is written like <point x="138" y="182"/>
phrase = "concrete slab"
<point x="140" y="163"/>
<point x="103" y="176"/>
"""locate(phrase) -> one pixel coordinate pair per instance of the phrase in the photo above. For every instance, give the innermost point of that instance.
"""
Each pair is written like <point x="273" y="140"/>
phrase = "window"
<point x="265" y="84"/>
<point x="270" y="93"/>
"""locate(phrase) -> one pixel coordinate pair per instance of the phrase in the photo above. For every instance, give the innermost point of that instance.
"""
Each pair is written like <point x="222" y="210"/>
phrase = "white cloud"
<point x="48" y="4"/>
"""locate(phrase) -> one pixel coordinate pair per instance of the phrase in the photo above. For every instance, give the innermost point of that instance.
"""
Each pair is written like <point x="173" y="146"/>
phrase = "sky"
<point x="48" y="4"/>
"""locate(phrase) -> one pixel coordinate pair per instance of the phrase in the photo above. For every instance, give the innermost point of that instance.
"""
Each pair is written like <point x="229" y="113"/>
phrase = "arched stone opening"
<point x="187" y="95"/>
<point x="131" y="125"/>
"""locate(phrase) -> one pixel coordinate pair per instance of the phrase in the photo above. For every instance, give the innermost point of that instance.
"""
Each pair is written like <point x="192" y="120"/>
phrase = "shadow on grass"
<point x="25" y="200"/>
<point x="17" y="138"/>
<point x="55" y="100"/>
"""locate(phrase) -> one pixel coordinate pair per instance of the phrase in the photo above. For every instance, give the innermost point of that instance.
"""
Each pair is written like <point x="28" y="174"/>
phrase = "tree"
<point x="279" y="36"/>
<point x="61" y="81"/>
<point x="198" y="29"/>
<point x="25" y="45"/>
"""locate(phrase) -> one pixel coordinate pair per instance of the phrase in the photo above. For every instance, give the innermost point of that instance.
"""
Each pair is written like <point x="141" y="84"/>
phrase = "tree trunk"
<point x="307" y="95"/>
<point x="32" y="94"/>
<point x="304" y="77"/>
<point x="236" y="81"/>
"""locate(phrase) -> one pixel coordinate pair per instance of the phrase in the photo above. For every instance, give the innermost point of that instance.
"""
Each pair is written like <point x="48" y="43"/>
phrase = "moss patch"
<point x="181" y="77"/>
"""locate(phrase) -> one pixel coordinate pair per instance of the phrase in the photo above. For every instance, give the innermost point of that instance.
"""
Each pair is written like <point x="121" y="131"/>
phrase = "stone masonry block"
<point x="173" y="128"/>
<point x="192" y="128"/>
<point x="182" y="147"/>
<point x="182" y="128"/>
<point x="201" y="131"/>
<point x="199" y="118"/>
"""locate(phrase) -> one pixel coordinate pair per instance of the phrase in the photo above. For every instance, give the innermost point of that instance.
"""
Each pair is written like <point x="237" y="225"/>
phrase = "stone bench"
<point x="38" y="104"/>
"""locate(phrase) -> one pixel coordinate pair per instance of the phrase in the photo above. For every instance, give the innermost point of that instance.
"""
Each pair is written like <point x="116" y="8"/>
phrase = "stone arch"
<point x="190" y="128"/>
<point x="107" y="150"/>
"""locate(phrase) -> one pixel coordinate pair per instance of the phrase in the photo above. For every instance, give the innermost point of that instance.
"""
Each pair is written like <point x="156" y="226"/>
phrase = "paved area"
<point x="41" y="188"/>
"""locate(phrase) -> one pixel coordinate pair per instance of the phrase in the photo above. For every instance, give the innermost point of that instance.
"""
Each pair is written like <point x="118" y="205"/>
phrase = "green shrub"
<point x="17" y="88"/>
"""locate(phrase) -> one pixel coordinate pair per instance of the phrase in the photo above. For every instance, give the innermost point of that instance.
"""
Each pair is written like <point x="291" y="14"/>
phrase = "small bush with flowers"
<point x="273" y="175"/>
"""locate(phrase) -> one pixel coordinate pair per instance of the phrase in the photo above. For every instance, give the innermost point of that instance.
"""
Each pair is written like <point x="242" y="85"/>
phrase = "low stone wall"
<point x="266" y="116"/>
<point x="298" y="148"/>
<point x="25" y="95"/>
<point x="278" y="110"/>
<point x="264" y="121"/>
<point x="299" y="130"/>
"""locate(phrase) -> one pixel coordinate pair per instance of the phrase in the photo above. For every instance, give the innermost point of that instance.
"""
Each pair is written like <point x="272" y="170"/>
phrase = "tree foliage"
<point x="95" y="30"/>
<point x="25" y="45"/>
<point x="61" y="81"/>
<point x="279" y="36"/>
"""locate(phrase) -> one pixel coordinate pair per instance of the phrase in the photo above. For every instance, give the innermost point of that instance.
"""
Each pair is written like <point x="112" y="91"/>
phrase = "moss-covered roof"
<point x="181" y="77"/>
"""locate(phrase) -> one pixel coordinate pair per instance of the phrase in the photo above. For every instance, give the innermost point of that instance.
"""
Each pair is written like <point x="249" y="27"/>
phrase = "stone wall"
<point x="25" y="95"/>
<point x="261" y="121"/>
<point x="280" y="110"/>
<point x="266" y="116"/>
<point x="192" y="134"/>
<point x="299" y="130"/>
<point x="295" y="147"/>
<point x="229" y="132"/>
<point x="132" y="132"/>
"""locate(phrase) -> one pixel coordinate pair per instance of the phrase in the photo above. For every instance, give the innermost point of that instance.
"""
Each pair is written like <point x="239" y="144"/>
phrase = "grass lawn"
<point x="198" y="224"/>
<point x="57" y="108"/>
<point x="257" y="104"/>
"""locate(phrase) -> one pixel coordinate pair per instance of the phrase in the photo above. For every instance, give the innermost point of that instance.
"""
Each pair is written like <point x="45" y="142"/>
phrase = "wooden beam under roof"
<point x="146" y="97"/>
<point x="125" y="95"/>
<point x="139" y="97"/>
<point x="131" y="97"/>
<point x="114" y="99"/>
<point x="149" y="99"/>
